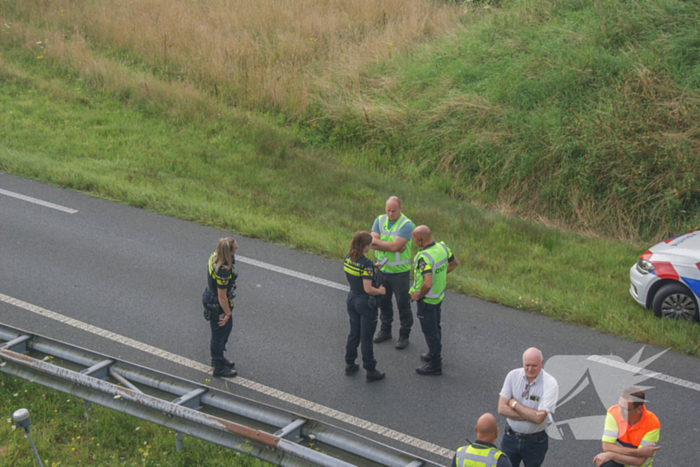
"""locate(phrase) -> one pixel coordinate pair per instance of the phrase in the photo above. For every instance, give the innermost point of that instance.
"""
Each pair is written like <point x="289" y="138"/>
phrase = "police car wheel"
<point x="675" y="301"/>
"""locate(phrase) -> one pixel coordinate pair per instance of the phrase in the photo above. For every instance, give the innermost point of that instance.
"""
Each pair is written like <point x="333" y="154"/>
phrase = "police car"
<point x="666" y="277"/>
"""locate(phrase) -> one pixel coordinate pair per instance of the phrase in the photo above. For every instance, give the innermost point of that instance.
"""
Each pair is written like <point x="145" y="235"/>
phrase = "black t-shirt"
<point x="357" y="272"/>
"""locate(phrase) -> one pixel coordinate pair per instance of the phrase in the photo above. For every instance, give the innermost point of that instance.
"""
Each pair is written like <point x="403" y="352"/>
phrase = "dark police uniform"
<point x="432" y="259"/>
<point x="220" y="279"/>
<point x="363" y="318"/>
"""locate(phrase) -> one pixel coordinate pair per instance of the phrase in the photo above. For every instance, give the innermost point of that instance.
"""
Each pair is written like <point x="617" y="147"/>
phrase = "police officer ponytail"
<point x="223" y="257"/>
<point x="358" y="244"/>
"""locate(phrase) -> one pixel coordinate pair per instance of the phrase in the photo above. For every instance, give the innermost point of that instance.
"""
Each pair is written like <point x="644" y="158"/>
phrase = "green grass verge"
<point x="251" y="176"/>
<point x="63" y="437"/>
<point x="581" y="111"/>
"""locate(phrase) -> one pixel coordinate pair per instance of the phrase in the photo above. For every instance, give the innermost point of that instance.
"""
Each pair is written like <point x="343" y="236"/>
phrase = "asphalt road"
<point x="141" y="275"/>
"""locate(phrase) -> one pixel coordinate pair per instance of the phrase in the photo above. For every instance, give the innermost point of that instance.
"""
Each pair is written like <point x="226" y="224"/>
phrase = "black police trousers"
<point x="219" y="339"/>
<point x="363" y="323"/>
<point x="396" y="284"/>
<point x="429" y="316"/>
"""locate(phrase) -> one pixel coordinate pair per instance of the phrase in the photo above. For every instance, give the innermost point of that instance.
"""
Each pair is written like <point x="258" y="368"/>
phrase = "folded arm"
<point x="630" y="456"/>
<point x="398" y="245"/>
<point x="526" y="413"/>
<point x="505" y="410"/>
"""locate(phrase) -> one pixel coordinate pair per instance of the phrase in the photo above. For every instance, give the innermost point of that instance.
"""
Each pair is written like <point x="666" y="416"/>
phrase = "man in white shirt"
<point x="528" y="396"/>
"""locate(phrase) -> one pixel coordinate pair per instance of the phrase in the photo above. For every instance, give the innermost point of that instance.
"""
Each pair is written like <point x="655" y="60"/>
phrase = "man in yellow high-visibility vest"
<point x="432" y="264"/>
<point x="391" y="235"/>
<point x="483" y="452"/>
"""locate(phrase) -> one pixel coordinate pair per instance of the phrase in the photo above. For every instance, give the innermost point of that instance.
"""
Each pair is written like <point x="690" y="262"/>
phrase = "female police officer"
<point x="363" y="318"/>
<point x="222" y="279"/>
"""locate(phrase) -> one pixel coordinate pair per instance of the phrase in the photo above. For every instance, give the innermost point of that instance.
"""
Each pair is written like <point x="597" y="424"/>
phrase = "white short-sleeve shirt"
<point x="542" y="394"/>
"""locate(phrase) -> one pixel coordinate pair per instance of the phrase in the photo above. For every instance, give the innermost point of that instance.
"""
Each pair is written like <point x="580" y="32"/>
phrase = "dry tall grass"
<point x="252" y="53"/>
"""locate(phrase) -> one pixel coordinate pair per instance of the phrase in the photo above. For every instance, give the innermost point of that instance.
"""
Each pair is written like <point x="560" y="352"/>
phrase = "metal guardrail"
<point x="263" y="431"/>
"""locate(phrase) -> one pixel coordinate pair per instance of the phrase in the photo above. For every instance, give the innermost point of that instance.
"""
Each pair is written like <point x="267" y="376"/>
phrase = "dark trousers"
<point x="430" y="317"/>
<point x="398" y="285"/>
<point x="529" y="450"/>
<point x="219" y="338"/>
<point x="363" y="323"/>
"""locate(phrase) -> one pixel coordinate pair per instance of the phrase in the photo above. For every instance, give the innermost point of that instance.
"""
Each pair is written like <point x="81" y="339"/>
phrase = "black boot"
<point x="374" y="375"/>
<point x="402" y="343"/>
<point x="351" y="369"/>
<point x="424" y="357"/>
<point x="431" y="368"/>
<point x="223" y="372"/>
<point x="227" y="364"/>
<point x="382" y="336"/>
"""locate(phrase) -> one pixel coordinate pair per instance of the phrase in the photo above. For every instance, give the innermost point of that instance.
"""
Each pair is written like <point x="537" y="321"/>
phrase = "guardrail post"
<point x="18" y="344"/>
<point x="178" y="441"/>
<point x="87" y="408"/>
<point x="292" y="432"/>
<point x="100" y="370"/>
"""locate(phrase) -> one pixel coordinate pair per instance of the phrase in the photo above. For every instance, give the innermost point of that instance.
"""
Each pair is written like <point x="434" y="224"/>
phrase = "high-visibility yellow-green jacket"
<point x="436" y="257"/>
<point x="470" y="456"/>
<point x="398" y="262"/>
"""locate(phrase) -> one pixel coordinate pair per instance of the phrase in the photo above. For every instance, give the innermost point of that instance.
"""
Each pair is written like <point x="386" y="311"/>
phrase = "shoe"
<point x="227" y="364"/>
<point x="374" y="375"/>
<point x="402" y="343"/>
<point x="425" y="357"/>
<point x="225" y="373"/>
<point x="351" y="369"/>
<point x="382" y="336"/>
<point x="430" y="369"/>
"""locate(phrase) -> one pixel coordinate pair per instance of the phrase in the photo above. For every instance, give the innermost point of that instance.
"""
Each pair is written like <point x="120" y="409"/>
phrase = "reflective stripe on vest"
<point x="399" y="259"/>
<point x="469" y="456"/>
<point x="433" y="267"/>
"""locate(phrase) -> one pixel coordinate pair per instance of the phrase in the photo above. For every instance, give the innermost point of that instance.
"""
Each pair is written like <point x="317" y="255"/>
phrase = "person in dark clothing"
<point x="482" y="453"/>
<point x="360" y="273"/>
<point x="221" y="282"/>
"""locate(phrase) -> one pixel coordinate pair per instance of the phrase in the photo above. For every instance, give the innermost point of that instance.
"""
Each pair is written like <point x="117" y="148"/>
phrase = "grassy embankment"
<point x="294" y="125"/>
<point x="63" y="437"/>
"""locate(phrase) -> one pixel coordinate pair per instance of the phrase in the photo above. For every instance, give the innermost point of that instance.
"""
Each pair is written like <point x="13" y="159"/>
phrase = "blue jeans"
<point x="398" y="285"/>
<point x="530" y="450"/>
<point x="429" y="316"/>
<point x="219" y="338"/>
<point x="363" y="322"/>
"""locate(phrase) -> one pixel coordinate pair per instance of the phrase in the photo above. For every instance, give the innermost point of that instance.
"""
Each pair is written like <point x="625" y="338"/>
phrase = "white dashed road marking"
<point x="643" y="371"/>
<point x="289" y="272"/>
<point x="40" y="202"/>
